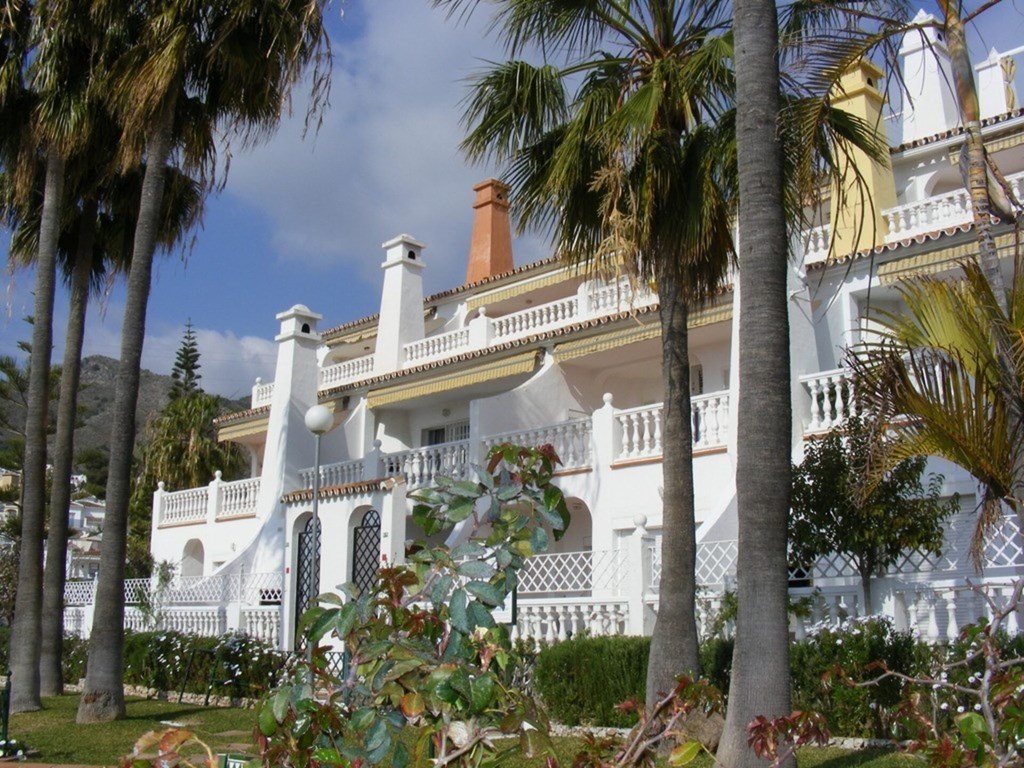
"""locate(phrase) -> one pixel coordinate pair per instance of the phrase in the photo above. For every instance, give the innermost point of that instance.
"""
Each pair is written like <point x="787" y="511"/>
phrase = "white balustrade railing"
<point x="339" y="473"/>
<point x="263" y="624"/>
<point x="189" y="506"/>
<point x="238" y="498"/>
<point x="573" y="572"/>
<point x="537" y="319"/>
<point x="422" y="466"/>
<point x="234" y="499"/>
<point x="346" y="371"/>
<point x="641" y="432"/>
<point x="710" y="414"/>
<point x="950" y="209"/>
<point x="551" y="621"/>
<point x="641" y="429"/>
<point x="832" y="398"/>
<point x="570" y="439"/>
<point x="434" y="347"/>
<point x="619" y="296"/>
<point x="262" y="393"/>
<point x="815" y="243"/>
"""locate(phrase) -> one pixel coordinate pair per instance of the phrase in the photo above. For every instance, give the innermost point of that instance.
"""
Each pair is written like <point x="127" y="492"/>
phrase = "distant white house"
<point x="542" y="353"/>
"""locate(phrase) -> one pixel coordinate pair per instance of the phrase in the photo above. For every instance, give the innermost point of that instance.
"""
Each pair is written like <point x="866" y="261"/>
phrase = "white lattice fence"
<point x="79" y="592"/>
<point x="572" y="572"/>
<point x="715" y="561"/>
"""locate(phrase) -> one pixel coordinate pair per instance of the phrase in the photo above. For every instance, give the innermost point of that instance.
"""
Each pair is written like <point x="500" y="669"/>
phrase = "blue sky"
<point x="302" y="220"/>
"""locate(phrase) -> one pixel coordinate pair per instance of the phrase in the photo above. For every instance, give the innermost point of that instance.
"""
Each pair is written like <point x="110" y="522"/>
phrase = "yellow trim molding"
<point x="524" y="362"/>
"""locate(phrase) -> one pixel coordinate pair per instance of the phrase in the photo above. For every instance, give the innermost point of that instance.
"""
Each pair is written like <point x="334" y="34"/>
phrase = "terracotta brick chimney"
<point x="490" y="247"/>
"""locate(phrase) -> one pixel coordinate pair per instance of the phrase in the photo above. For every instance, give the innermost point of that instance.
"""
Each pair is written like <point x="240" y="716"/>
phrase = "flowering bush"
<point x="231" y="665"/>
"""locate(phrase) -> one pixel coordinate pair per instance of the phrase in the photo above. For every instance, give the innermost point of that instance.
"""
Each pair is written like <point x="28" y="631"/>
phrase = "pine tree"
<point x="185" y="372"/>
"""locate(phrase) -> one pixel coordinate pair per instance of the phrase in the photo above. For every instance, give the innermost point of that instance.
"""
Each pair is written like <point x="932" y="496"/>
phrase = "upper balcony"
<point x="592" y="300"/>
<point x="950" y="209"/>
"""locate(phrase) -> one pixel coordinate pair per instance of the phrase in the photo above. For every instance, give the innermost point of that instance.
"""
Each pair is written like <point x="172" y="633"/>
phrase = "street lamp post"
<point x="319" y="420"/>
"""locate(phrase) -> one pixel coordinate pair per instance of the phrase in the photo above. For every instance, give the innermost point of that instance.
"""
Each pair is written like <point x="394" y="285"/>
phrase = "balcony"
<point x="217" y="502"/>
<point x="591" y="301"/>
<point x="950" y="209"/>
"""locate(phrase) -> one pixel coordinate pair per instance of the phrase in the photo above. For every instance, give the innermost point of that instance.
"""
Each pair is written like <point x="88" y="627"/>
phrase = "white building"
<point x="541" y="353"/>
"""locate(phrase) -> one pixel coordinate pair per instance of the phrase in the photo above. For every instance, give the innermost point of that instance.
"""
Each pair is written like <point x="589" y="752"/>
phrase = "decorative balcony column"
<point x="213" y="498"/>
<point x="481" y="330"/>
<point x="636" y="576"/>
<point x="392" y="521"/>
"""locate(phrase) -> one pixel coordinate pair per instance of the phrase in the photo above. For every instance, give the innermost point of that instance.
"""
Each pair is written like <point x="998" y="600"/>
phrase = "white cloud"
<point x="386" y="159"/>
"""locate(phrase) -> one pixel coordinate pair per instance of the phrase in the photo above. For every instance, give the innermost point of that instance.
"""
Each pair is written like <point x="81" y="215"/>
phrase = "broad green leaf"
<point x="362" y="718"/>
<point x="479" y="616"/>
<point x="481" y="692"/>
<point x="684" y="754"/>
<point x="457" y="611"/>
<point x="328" y="756"/>
<point x="279" y="705"/>
<point x="468" y="549"/>
<point x="539" y="539"/>
<point x="486" y="592"/>
<point x="459" y="511"/>
<point x="476" y="569"/>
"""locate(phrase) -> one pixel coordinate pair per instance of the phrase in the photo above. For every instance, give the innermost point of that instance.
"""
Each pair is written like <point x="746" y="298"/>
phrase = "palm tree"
<point x="194" y="66"/>
<point x="626" y="151"/>
<point x="620" y="152"/>
<point x="760" y="668"/>
<point x="58" y="82"/>
<point x="96" y="239"/>
<point x="948" y="376"/>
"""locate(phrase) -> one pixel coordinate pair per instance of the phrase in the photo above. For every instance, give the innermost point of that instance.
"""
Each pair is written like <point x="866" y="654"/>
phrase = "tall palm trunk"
<point x="760" y="667"/>
<point x="24" y="651"/>
<point x="674" y="648"/>
<point x="103" y="693"/>
<point x="974" y="146"/>
<point x="52" y="641"/>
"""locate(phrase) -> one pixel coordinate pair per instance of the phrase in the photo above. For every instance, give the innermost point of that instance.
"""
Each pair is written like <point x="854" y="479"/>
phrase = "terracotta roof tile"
<point x="347" y="489"/>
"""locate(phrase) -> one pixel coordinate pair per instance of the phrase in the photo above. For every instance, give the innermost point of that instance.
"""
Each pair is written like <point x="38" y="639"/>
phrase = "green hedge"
<point x="231" y="665"/>
<point x="858" y="646"/>
<point x="582" y="680"/>
<point x="72" y="662"/>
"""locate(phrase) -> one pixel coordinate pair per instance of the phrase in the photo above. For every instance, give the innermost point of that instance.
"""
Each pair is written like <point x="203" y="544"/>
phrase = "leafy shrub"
<point x="859" y="647"/>
<point x="231" y="665"/>
<point x="583" y="679"/>
<point x="716" y="661"/>
<point x="72" y="662"/>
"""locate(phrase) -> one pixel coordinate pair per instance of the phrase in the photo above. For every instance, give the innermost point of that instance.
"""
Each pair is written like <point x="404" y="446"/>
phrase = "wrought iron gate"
<point x="366" y="551"/>
<point x="307" y="571"/>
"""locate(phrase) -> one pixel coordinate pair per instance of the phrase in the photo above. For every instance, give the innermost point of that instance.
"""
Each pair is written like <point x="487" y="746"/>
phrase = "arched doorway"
<point x="366" y="550"/>
<point x="307" y="569"/>
<point x="192" y="559"/>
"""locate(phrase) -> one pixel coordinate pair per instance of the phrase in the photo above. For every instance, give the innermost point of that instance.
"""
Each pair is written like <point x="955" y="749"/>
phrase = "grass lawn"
<point x="56" y="737"/>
